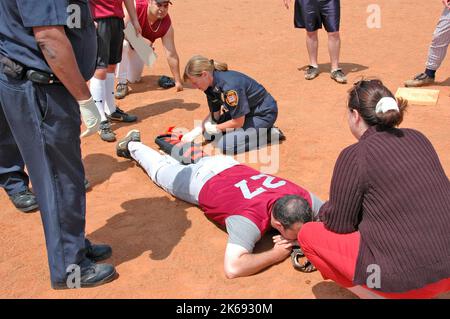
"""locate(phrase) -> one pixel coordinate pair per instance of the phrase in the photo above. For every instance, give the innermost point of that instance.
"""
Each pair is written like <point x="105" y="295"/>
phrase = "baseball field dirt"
<point x="166" y="248"/>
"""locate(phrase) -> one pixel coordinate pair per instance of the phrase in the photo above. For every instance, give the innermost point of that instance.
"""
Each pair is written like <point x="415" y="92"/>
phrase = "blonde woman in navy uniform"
<point x="240" y="108"/>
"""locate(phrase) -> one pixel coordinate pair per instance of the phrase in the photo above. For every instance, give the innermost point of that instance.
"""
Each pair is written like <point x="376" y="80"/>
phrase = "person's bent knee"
<point x="308" y="233"/>
<point x="100" y="73"/>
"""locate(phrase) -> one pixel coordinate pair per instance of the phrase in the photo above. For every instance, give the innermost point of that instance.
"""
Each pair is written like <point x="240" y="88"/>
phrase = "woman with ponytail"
<point x="242" y="112"/>
<point x="385" y="231"/>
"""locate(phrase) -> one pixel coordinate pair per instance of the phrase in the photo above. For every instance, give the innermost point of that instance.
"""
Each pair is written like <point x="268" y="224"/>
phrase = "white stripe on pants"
<point x="131" y="67"/>
<point x="183" y="181"/>
<point x="441" y="40"/>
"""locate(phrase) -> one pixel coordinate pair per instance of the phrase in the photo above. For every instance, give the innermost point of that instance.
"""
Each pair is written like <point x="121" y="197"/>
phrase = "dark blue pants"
<point x="253" y="133"/>
<point x="13" y="178"/>
<point x="43" y="123"/>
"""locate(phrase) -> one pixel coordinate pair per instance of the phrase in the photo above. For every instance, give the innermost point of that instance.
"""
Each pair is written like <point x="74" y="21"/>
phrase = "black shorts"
<point x="109" y="41"/>
<point x="311" y="14"/>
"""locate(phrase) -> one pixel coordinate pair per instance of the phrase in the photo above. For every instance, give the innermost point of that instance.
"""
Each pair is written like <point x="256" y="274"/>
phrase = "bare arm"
<point x="239" y="262"/>
<point x="168" y="41"/>
<point x="58" y="53"/>
<point x="132" y="16"/>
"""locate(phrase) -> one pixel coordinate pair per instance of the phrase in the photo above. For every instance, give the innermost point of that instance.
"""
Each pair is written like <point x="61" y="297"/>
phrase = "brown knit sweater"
<point x="391" y="187"/>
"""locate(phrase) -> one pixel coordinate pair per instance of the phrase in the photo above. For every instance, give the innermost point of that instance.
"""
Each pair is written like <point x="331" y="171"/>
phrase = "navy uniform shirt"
<point x="17" y="42"/>
<point x="238" y="94"/>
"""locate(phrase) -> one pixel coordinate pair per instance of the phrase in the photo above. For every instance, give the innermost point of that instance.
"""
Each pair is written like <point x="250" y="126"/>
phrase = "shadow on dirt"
<point x="154" y="225"/>
<point x="331" y="290"/>
<point x="346" y="67"/>
<point x="154" y="109"/>
<point x="100" y="167"/>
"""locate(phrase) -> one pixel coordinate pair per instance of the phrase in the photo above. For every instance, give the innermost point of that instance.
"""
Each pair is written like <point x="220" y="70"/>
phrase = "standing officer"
<point x="46" y="57"/>
<point x="240" y="107"/>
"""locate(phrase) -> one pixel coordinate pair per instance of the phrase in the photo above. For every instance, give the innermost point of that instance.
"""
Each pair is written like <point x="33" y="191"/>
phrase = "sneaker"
<point x="121" y="116"/>
<point x="122" y="145"/>
<point x="121" y="90"/>
<point x="106" y="133"/>
<point x="338" y="76"/>
<point x="420" y="80"/>
<point x="311" y="72"/>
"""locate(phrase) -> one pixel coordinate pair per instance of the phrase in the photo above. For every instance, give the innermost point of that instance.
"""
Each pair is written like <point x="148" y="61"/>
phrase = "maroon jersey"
<point x="242" y="190"/>
<point x="151" y="31"/>
<point x="106" y="8"/>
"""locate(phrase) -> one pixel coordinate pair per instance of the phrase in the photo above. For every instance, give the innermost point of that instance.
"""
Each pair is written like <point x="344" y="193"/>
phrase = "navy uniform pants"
<point x="13" y="178"/>
<point x="42" y="124"/>
<point x="254" y="132"/>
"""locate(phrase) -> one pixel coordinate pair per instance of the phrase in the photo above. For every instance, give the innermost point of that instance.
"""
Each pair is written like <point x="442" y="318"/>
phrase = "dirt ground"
<point x="165" y="248"/>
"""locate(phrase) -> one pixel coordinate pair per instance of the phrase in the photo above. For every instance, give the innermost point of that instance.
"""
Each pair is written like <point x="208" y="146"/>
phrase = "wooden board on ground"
<point x="418" y="96"/>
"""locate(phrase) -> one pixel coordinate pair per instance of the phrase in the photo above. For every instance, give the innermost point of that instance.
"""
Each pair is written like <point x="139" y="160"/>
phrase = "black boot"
<point x="24" y="201"/>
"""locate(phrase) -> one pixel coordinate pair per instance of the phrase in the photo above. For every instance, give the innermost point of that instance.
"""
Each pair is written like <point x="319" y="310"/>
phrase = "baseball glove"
<point x="165" y="82"/>
<point x="303" y="267"/>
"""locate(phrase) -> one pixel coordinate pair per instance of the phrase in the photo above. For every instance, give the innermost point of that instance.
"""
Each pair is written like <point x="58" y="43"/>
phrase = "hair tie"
<point x="386" y="104"/>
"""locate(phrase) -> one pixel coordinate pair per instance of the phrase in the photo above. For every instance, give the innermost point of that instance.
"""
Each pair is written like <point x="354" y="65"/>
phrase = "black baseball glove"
<point x="165" y="82"/>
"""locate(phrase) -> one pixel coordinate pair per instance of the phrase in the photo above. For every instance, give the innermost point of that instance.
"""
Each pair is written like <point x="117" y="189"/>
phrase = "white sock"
<point x="109" y="94"/>
<point x="97" y="88"/>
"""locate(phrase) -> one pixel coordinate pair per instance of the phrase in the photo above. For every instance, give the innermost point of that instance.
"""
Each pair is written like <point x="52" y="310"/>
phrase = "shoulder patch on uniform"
<point x="231" y="98"/>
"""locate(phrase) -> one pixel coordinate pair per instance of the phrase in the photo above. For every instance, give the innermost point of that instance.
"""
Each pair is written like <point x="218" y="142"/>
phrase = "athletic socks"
<point x="97" y="88"/>
<point x="109" y="94"/>
<point x="430" y="73"/>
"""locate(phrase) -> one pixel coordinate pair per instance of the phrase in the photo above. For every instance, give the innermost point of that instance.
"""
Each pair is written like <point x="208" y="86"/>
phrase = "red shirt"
<point x="155" y="31"/>
<point x="106" y="8"/>
<point x="242" y="190"/>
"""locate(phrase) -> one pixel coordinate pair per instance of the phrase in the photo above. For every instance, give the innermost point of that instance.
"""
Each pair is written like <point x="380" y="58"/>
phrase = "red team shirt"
<point x="160" y="26"/>
<point x="242" y="190"/>
<point x="106" y="9"/>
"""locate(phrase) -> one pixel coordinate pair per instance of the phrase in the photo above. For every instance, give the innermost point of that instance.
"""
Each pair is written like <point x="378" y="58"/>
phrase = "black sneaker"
<point x="122" y="145"/>
<point x="121" y="116"/>
<point x="92" y="275"/>
<point x="24" y="201"/>
<point x="106" y="133"/>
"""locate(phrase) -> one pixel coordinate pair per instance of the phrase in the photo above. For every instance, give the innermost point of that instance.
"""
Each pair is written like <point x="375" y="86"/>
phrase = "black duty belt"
<point x="20" y="72"/>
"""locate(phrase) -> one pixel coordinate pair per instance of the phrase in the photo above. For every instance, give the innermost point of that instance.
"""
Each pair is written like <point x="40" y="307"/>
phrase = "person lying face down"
<point x="246" y="202"/>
